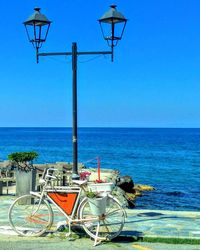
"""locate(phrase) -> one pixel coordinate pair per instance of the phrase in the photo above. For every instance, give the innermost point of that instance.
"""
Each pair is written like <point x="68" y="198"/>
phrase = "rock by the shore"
<point x="127" y="191"/>
<point x="126" y="183"/>
<point x="142" y="187"/>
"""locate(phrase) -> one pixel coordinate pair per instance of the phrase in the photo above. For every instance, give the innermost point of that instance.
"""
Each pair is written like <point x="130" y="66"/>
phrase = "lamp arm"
<point x="78" y="53"/>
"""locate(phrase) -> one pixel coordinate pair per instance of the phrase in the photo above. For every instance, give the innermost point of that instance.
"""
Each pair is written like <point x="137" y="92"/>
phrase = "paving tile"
<point x="154" y="223"/>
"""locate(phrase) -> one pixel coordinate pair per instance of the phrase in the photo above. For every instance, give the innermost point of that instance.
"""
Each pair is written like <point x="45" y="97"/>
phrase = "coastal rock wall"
<point x="126" y="190"/>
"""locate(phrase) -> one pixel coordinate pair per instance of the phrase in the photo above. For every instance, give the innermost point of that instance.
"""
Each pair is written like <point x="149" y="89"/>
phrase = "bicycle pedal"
<point x="61" y="226"/>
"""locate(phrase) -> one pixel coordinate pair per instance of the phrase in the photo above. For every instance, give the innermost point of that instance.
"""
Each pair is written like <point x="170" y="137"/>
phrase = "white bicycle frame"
<point x="47" y="190"/>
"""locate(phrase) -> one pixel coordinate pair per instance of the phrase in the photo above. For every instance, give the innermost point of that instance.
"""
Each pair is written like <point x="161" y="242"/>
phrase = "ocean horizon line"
<point x="97" y="127"/>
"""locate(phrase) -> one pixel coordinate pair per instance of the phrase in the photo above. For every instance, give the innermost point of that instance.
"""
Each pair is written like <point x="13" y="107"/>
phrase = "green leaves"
<point x="23" y="160"/>
<point x="23" y="156"/>
<point x="91" y="194"/>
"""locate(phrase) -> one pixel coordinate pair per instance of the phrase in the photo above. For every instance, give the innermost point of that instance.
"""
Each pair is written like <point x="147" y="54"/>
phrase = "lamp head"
<point x="37" y="27"/>
<point x="112" y="25"/>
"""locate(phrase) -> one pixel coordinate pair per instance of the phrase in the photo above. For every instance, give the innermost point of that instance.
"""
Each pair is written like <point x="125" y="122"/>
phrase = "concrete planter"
<point x="25" y="181"/>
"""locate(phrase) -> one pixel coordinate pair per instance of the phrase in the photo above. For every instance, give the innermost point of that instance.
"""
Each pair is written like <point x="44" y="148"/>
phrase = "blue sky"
<point x="153" y="82"/>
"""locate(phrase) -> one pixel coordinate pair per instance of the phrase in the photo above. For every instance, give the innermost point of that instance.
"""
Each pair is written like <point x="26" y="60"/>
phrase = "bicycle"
<point x="32" y="215"/>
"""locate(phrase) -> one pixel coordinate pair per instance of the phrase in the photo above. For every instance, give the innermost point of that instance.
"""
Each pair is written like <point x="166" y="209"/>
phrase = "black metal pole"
<point x="74" y="111"/>
<point x="112" y="45"/>
<point x="37" y="57"/>
<point x="75" y="55"/>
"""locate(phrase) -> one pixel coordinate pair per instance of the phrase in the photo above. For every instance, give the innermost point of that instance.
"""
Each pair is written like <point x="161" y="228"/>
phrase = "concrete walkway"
<point x="160" y="223"/>
<point x="55" y="243"/>
<point x="139" y="223"/>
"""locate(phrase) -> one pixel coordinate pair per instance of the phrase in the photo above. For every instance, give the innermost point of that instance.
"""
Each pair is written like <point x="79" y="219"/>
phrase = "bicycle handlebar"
<point x="50" y="176"/>
<point x="50" y="173"/>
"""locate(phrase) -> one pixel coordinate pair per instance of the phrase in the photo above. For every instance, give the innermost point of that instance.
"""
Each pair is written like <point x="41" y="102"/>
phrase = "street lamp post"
<point x="37" y="27"/>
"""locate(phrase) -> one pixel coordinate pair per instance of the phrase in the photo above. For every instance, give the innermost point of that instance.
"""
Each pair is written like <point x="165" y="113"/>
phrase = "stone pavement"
<point x="139" y="223"/>
<point x="160" y="223"/>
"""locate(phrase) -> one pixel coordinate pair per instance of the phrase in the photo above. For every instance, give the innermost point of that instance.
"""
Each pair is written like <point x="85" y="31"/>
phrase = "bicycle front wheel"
<point x="109" y="225"/>
<point x="30" y="215"/>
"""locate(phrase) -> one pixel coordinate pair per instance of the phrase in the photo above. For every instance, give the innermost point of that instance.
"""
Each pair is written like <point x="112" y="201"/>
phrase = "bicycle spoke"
<point x="30" y="219"/>
<point x="110" y="223"/>
<point x="112" y="212"/>
<point x="105" y="226"/>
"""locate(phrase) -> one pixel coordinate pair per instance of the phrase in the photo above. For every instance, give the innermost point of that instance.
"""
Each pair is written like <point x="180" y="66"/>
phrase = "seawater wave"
<point x="168" y="159"/>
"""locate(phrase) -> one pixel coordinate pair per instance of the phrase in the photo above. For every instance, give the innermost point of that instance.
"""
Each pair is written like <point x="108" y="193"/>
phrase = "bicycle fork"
<point x="40" y="201"/>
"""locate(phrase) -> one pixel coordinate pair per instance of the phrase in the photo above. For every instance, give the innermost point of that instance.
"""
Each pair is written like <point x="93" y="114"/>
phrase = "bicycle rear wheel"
<point x="30" y="216"/>
<point x="109" y="224"/>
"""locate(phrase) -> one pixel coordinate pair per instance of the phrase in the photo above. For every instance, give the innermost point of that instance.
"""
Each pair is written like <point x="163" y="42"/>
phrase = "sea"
<point x="166" y="158"/>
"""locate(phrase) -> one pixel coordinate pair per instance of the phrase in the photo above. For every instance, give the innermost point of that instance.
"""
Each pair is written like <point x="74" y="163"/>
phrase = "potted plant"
<point x="97" y="202"/>
<point x="85" y="175"/>
<point x="24" y="170"/>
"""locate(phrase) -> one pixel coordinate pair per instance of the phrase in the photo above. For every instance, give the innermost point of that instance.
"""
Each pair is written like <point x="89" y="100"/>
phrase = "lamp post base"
<point x="75" y="176"/>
